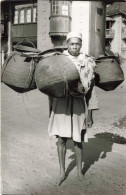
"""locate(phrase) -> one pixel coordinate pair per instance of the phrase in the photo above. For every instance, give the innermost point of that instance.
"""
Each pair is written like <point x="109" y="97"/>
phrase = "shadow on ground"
<point x="95" y="149"/>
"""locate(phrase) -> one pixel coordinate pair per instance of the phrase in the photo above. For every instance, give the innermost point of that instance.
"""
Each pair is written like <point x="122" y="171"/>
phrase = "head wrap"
<point x="74" y="35"/>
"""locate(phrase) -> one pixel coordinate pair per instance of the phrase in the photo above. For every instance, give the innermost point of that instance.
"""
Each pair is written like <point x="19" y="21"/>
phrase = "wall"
<point x="21" y="31"/>
<point x="80" y="21"/>
<point x="3" y="31"/>
<point x="118" y="45"/>
<point x="91" y="24"/>
<point x="97" y="29"/>
<point x="116" y="41"/>
<point x="123" y="49"/>
<point x="44" y="40"/>
<point x="84" y="19"/>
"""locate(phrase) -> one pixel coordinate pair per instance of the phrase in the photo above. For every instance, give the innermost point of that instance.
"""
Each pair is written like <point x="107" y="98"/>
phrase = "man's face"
<point x="74" y="46"/>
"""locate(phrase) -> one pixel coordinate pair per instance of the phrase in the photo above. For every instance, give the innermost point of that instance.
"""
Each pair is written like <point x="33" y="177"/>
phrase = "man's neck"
<point x="73" y="55"/>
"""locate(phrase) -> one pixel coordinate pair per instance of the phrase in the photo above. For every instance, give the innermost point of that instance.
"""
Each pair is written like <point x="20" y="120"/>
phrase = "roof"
<point x="116" y="8"/>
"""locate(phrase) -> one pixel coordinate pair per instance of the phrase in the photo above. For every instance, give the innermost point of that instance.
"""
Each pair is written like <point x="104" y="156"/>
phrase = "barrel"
<point x="108" y="74"/>
<point x="18" y="72"/>
<point x="55" y="75"/>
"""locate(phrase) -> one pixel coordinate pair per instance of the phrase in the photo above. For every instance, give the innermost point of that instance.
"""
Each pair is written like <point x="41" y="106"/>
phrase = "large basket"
<point x="108" y="73"/>
<point x="55" y="75"/>
<point x="18" y="72"/>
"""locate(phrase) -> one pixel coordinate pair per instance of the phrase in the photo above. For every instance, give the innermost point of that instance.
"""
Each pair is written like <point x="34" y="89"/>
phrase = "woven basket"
<point x="18" y="72"/>
<point x="109" y="74"/>
<point x="55" y="75"/>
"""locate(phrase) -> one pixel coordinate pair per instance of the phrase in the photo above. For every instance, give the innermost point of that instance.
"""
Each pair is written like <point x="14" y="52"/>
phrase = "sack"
<point x="23" y="48"/>
<point x="18" y="72"/>
<point x="56" y="75"/>
<point x="108" y="74"/>
<point x="26" y="46"/>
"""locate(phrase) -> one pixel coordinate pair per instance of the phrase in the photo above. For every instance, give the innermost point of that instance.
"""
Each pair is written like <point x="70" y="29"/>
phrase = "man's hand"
<point x="80" y="88"/>
<point x="89" y="119"/>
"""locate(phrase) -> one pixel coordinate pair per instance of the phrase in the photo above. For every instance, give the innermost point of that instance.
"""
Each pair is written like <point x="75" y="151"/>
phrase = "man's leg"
<point x="78" y="154"/>
<point x="61" y="148"/>
<point x="89" y="119"/>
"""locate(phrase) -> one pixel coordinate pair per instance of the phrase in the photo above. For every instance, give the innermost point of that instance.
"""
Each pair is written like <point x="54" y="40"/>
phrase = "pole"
<point x="10" y="29"/>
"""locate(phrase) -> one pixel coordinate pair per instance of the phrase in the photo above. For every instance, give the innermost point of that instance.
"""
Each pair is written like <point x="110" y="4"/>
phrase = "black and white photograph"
<point x="63" y="97"/>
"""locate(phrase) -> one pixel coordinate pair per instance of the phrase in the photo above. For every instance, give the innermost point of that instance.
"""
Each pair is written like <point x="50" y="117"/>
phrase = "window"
<point x="16" y="17"/>
<point x="25" y="14"/>
<point x="60" y="17"/>
<point x="34" y="14"/>
<point x="21" y="16"/>
<point x="60" y="7"/>
<point x="65" y="2"/>
<point x="55" y="8"/>
<point x="65" y="10"/>
<point x="28" y="15"/>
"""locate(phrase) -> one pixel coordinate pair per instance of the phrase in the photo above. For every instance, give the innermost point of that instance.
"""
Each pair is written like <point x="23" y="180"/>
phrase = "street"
<point x="85" y="31"/>
<point x="29" y="156"/>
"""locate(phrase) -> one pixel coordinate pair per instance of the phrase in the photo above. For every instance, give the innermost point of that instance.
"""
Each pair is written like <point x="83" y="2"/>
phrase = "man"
<point x="69" y="115"/>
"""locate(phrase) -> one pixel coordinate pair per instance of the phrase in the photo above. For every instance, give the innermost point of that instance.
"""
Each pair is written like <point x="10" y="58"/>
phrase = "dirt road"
<point x="29" y="158"/>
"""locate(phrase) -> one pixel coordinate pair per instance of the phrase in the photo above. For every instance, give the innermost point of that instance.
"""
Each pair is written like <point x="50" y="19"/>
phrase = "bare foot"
<point x="62" y="177"/>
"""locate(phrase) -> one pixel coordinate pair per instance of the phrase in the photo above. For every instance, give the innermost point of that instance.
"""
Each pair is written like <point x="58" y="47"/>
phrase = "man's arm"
<point x="92" y="104"/>
<point x="50" y="104"/>
<point x="89" y="119"/>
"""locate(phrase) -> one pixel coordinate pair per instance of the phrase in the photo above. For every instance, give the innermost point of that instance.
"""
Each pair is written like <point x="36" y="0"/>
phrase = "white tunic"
<point x="68" y="115"/>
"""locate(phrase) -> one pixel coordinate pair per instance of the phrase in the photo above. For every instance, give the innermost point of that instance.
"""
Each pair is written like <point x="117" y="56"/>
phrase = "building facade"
<point x="18" y="22"/>
<point x="116" y="28"/>
<point x="47" y="22"/>
<point x="57" y="18"/>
